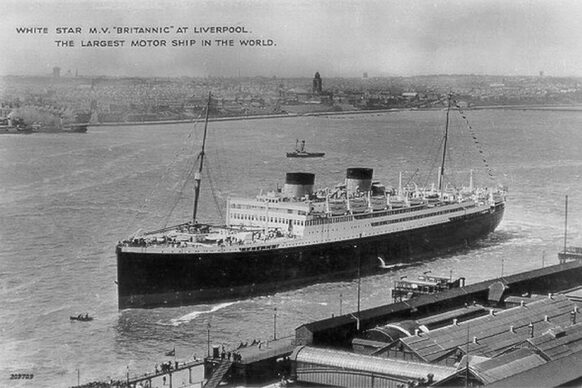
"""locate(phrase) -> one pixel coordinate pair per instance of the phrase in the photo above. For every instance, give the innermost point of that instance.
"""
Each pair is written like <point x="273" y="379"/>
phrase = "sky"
<point x="338" y="38"/>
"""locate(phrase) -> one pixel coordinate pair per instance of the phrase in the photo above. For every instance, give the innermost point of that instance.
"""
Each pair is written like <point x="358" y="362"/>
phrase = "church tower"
<point x="317" y="84"/>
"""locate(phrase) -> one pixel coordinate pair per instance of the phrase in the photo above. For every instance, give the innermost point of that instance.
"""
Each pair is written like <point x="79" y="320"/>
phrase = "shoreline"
<point x="556" y="108"/>
<point x="568" y="108"/>
<point x="254" y="117"/>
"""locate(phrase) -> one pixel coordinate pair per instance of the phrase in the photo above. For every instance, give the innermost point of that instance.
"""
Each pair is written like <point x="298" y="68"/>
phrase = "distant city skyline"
<point x="342" y="38"/>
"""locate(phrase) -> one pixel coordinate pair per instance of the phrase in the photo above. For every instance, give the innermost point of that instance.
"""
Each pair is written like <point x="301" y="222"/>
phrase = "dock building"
<point x="479" y="334"/>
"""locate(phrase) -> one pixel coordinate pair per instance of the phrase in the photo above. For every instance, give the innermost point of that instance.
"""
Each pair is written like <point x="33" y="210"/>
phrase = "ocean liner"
<point x="297" y="235"/>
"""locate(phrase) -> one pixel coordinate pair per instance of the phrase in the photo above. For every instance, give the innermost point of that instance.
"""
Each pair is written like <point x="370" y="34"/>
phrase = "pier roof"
<point x="266" y="350"/>
<point x="559" y="342"/>
<point x="490" y="335"/>
<point x="336" y="329"/>
<point x="551" y="374"/>
<point x="506" y="365"/>
<point x="489" y="370"/>
<point x="382" y="366"/>
<point x="574" y="294"/>
<point x="462" y="313"/>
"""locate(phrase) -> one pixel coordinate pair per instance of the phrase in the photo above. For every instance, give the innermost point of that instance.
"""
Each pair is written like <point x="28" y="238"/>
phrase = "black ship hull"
<point x="147" y="280"/>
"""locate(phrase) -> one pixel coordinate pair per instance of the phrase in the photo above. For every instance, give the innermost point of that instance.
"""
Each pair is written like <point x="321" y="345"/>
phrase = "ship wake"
<point x="195" y="314"/>
<point x="382" y="264"/>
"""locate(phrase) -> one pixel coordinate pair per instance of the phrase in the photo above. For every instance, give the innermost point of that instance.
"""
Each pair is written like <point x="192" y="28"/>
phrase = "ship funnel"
<point x="298" y="184"/>
<point x="358" y="179"/>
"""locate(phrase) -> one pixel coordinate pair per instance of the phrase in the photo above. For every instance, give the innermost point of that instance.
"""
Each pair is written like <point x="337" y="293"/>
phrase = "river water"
<point x="66" y="199"/>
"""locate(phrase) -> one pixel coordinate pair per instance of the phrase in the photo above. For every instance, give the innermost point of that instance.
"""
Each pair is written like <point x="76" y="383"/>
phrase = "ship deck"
<point x="184" y="239"/>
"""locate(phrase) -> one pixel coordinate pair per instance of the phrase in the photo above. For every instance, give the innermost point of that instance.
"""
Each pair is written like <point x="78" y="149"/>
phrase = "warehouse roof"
<point x="559" y="342"/>
<point x="506" y="365"/>
<point x="551" y="374"/>
<point x="381" y="366"/>
<point x="492" y="334"/>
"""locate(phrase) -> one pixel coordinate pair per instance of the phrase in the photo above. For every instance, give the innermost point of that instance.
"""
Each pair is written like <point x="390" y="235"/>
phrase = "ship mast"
<point x="198" y="174"/>
<point x="442" y="170"/>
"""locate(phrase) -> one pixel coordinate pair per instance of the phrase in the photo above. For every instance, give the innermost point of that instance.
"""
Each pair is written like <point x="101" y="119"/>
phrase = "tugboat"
<point x="295" y="236"/>
<point x="301" y="153"/>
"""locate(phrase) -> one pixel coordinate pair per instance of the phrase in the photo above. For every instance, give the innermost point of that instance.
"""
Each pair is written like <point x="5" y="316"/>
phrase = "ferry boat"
<point x="405" y="289"/>
<point x="297" y="235"/>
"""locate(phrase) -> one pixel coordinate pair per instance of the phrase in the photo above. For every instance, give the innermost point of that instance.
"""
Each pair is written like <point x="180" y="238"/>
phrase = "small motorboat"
<point x="301" y="153"/>
<point x="82" y="318"/>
